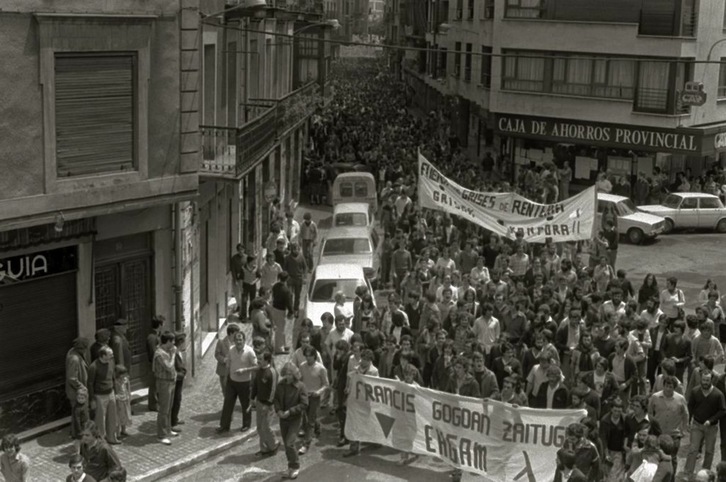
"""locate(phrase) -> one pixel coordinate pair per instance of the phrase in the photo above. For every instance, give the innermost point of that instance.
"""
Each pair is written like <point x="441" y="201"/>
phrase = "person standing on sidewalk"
<point x="180" y="365"/>
<point x="220" y="354"/>
<point x="282" y="308"/>
<point x="706" y="406"/>
<point x="291" y="402"/>
<point x="165" y="373"/>
<point x="264" y="384"/>
<point x="296" y="267"/>
<point x="236" y="264"/>
<point x="120" y="344"/>
<point x="241" y="363"/>
<point x="268" y="272"/>
<point x="315" y="378"/>
<point x="308" y="235"/>
<point x="249" y="285"/>
<point x="101" y="397"/>
<point x="77" y="379"/>
<point x="152" y="343"/>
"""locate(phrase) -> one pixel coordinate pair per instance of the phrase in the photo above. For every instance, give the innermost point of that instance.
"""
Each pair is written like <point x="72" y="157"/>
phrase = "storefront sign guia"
<point x="681" y="141"/>
<point x="37" y="265"/>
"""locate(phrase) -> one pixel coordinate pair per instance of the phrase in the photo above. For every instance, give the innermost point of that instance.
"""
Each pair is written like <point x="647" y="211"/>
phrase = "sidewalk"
<point x="143" y="457"/>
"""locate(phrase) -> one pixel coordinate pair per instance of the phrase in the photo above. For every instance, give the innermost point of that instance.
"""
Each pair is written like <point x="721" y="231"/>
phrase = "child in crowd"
<point x="122" y="387"/>
<point x="82" y="415"/>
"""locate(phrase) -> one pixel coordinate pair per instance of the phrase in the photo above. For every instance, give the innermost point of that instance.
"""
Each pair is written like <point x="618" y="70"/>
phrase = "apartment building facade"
<point x="263" y="72"/>
<point x="98" y="158"/>
<point x="595" y="84"/>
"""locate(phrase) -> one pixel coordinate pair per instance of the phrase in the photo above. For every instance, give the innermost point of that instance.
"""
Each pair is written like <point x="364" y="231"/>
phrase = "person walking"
<point x="180" y="365"/>
<point x="76" y="379"/>
<point x="165" y="373"/>
<point x="236" y="265"/>
<point x="264" y="384"/>
<point x="308" y="235"/>
<point x="241" y="363"/>
<point x="220" y="354"/>
<point x="706" y="407"/>
<point x="291" y="402"/>
<point x="282" y="308"/>
<point x="315" y="378"/>
<point x="296" y="267"/>
<point x="152" y="343"/>
<point x="101" y="375"/>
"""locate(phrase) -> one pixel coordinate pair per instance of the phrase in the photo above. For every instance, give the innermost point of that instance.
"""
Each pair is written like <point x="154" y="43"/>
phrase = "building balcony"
<point x="230" y="152"/>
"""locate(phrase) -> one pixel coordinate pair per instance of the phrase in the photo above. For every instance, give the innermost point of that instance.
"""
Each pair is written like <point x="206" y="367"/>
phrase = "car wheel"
<point x="721" y="226"/>
<point x="635" y="235"/>
<point x="668" y="228"/>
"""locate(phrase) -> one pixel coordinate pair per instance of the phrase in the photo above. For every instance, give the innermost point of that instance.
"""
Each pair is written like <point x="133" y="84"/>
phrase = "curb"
<point x="190" y="460"/>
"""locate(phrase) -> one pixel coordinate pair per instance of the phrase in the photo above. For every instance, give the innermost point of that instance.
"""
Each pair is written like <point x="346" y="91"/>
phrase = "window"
<point x="596" y="78"/>
<point x="487" y="9"/>
<point x="652" y="93"/>
<point x="324" y="289"/>
<point x="467" y="64"/>
<point x="690" y="203"/>
<point x="485" y="76"/>
<point x="340" y="246"/>
<point x="722" y="79"/>
<point x="470" y="10"/>
<point x="361" y="189"/>
<point x="613" y="78"/>
<point x="710" y="203"/>
<point x="457" y="59"/>
<point x="522" y="72"/>
<point x="524" y="8"/>
<point x="308" y="45"/>
<point x="346" y="189"/>
<point x="95" y="113"/>
<point x="441" y="70"/>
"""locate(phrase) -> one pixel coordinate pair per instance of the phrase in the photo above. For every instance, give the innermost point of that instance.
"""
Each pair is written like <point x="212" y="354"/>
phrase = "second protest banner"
<point x="492" y="439"/>
<point x="506" y="213"/>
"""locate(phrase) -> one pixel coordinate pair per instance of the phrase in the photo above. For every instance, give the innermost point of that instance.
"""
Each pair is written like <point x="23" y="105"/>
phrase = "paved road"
<point x="690" y="257"/>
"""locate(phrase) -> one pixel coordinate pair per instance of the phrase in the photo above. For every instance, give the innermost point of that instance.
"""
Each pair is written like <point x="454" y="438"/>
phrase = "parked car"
<point x="327" y="280"/>
<point x="352" y="214"/>
<point x="690" y="210"/>
<point x="636" y="226"/>
<point x="356" y="245"/>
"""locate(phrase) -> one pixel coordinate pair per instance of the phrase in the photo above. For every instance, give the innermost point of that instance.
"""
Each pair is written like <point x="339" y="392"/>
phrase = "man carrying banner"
<point x="365" y="367"/>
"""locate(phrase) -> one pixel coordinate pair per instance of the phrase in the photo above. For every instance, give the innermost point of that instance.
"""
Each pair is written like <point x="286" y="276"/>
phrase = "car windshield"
<point x="324" y="289"/>
<point x="336" y="247"/>
<point x="351" y="219"/>
<point x="626" y="207"/>
<point x="672" y="201"/>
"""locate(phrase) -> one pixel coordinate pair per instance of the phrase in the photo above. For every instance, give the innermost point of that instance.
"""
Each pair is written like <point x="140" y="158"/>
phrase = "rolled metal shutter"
<point x="38" y="322"/>
<point x="94" y="113"/>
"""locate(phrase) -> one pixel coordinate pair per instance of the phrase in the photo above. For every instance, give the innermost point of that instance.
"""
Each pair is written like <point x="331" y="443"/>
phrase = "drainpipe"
<point x="176" y="268"/>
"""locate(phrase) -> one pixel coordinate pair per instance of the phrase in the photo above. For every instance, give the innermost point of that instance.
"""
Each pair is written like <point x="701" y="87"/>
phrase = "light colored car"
<point x="356" y="245"/>
<point x="636" y="226"/>
<point x="690" y="210"/>
<point x="327" y="280"/>
<point x="351" y="214"/>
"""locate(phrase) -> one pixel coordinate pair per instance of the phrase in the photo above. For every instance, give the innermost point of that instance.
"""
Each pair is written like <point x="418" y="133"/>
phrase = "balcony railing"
<point x="232" y="151"/>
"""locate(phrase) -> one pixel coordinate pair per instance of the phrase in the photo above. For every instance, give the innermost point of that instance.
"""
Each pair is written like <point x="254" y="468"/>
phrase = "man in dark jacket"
<point x="120" y="344"/>
<point x="282" y="308"/>
<point x="152" y="343"/>
<point x="180" y="365"/>
<point x="296" y="267"/>
<point x="553" y="394"/>
<point x="264" y="384"/>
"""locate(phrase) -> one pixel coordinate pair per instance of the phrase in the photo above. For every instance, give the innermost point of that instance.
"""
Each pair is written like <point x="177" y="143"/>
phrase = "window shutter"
<point x="94" y="104"/>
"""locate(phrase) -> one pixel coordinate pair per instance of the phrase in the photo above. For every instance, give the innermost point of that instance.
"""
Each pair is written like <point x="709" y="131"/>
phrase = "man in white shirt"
<point x="651" y="313"/>
<point x="298" y="358"/>
<point x="487" y="328"/>
<point x="670" y="409"/>
<point x="268" y="271"/>
<point x="339" y="333"/>
<point x="315" y="378"/>
<point x="241" y="363"/>
<point x="614" y="305"/>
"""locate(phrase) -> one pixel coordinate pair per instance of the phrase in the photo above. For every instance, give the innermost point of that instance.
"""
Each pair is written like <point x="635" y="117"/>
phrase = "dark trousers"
<point x="342" y="412"/>
<point x="654" y="360"/>
<point x="249" y="292"/>
<point x="296" y="287"/>
<point x="289" y="427"/>
<point x="176" y="402"/>
<point x="153" y="397"/>
<point x="236" y="391"/>
<point x="311" y="423"/>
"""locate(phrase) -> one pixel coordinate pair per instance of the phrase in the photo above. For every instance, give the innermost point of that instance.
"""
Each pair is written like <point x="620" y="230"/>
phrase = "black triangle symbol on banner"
<point x="386" y="423"/>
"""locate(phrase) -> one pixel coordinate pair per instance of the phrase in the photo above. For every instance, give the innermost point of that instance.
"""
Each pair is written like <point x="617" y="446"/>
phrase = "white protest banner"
<point x="492" y="439"/>
<point x="506" y="213"/>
